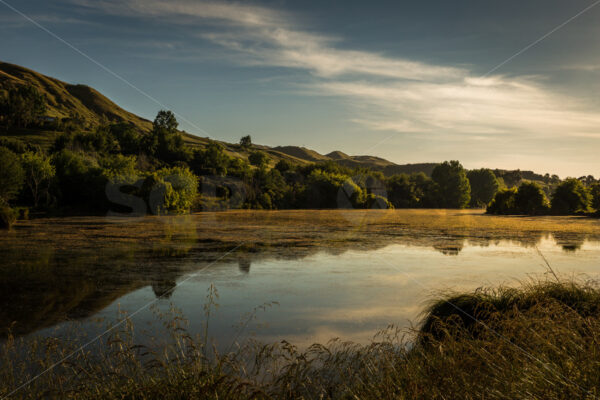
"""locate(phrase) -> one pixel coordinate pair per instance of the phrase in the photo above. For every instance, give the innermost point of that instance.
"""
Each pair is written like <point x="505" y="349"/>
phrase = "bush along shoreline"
<point x="570" y="197"/>
<point x="537" y="341"/>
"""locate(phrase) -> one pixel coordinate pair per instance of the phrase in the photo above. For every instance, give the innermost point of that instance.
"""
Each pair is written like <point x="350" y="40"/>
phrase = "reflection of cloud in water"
<point x="369" y="312"/>
<point x="323" y="334"/>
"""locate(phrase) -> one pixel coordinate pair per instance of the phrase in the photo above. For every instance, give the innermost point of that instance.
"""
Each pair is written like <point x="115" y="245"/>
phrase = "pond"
<point x="302" y="276"/>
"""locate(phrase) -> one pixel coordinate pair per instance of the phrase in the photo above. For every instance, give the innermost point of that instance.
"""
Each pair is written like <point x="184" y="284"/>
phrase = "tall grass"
<point x="538" y="341"/>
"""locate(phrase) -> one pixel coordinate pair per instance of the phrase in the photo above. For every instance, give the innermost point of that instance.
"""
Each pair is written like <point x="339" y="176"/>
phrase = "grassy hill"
<point x="65" y="100"/>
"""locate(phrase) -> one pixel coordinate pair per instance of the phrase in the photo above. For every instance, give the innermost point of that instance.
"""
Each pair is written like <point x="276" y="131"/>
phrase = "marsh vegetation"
<point x="537" y="341"/>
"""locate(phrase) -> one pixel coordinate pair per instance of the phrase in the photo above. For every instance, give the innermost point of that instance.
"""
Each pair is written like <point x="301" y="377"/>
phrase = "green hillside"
<point x="65" y="100"/>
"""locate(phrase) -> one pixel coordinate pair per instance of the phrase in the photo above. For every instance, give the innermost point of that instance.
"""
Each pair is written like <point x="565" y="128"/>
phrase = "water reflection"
<point x="570" y="242"/>
<point x="449" y="246"/>
<point x="47" y="279"/>
<point x="244" y="265"/>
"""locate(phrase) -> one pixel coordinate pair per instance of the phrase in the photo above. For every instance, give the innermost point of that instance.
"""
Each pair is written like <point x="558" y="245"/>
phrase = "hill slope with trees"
<point x="102" y="159"/>
<point x="71" y="107"/>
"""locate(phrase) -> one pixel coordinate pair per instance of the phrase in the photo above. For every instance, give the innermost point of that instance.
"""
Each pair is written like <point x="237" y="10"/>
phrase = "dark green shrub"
<point x="22" y="213"/>
<point x="7" y="217"/>
<point x="503" y="202"/>
<point x="531" y="200"/>
<point x="402" y="191"/>
<point x="332" y="190"/>
<point x="212" y="160"/>
<point x="570" y="197"/>
<point x="170" y="190"/>
<point x="12" y="175"/>
<point x="22" y="106"/>
<point x="377" y="202"/>
<point x="39" y="173"/>
<point x="258" y="158"/>
<point x="15" y="145"/>
<point x="81" y="183"/>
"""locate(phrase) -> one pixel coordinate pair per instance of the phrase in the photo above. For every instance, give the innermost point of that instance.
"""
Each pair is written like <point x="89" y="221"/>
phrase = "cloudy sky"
<point x="507" y="84"/>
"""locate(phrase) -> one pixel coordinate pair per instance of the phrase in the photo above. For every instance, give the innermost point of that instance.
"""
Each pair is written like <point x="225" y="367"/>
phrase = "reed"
<point x="538" y="341"/>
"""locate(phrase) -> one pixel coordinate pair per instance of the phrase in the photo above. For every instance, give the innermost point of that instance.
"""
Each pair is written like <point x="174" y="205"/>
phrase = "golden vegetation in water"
<point x="296" y="225"/>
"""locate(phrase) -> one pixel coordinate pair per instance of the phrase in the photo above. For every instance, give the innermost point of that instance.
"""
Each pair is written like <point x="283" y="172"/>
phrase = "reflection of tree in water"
<point x="529" y="239"/>
<point x="452" y="245"/>
<point x="449" y="246"/>
<point x="164" y="288"/>
<point x="244" y="265"/>
<point x="569" y="242"/>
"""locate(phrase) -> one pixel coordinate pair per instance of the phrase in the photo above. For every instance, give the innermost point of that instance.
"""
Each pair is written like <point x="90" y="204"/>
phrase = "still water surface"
<point x="319" y="281"/>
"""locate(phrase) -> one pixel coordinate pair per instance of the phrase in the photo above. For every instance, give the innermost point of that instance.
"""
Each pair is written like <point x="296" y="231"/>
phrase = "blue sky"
<point x="407" y="81"/>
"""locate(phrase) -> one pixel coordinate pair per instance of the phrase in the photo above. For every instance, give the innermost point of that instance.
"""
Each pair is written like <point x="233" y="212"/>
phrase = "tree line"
<point x="570" y="197"/>
<point x="115" y="168"/>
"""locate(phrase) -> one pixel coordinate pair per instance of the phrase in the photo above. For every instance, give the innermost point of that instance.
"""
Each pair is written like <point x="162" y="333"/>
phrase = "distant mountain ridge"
<point x="66" y="100"/>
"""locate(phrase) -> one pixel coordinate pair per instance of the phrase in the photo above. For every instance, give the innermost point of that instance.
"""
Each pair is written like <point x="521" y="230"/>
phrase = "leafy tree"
<point x="268" y="190"/>
<point x="81" y="183"/>
<point x="412" y="191"/>
<point x="426" y="190"/>
<point x="75" y="122"/>
<point x="246" y="141"/>
<point x="503" y="202"/>
<point x="165" y="120"/>
<point x="11" y="175"/>
<point x="332" y="190"/>
<point x="238" y="168"/>
<point x="118" y="165"/>
<point x="530" y="199"/>
<point x="512" y="178"/>
<point x="571" y="196"/>
<point x="100" y="141"/>
<point x="484" y="186"/>
<point x="595" y="193"/>
<point x="402" y="192"/>
<point x="258" y="158"/>
<point x="587" y="180"/>
<point x="170" y="190"/>
<point x="185" y="185"/>
<point x="22" y="106"/>
<point x="15" y="145"/>
<point x="127" y="136"/>
<point x="157" y="193"/>
<point x="165" y="142"/>
<point x="212" y="160"/>
<point x="39" y="173"/>
<point x="453" y="184"/>
<point x="284" y="165"/>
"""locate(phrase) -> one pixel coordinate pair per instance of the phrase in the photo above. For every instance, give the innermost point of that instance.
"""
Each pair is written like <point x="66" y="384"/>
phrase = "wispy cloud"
<point x="13" y="20"/>
<point x="389" y="93"/>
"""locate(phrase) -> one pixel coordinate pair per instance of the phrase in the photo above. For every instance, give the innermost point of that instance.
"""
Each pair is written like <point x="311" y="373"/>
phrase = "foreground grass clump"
<point x="539" y="341"/>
